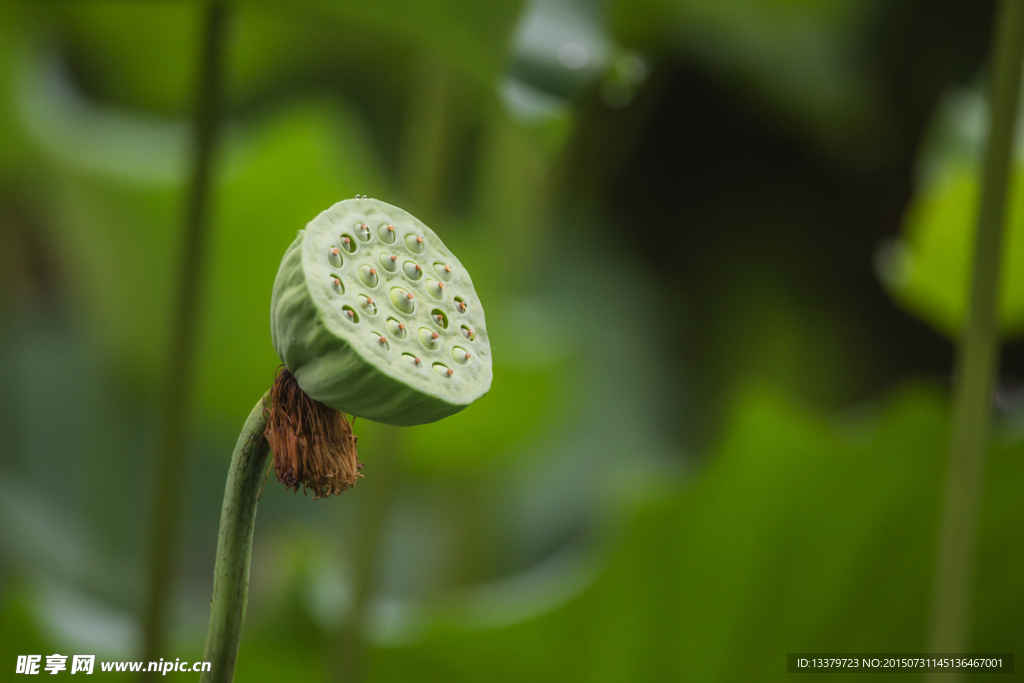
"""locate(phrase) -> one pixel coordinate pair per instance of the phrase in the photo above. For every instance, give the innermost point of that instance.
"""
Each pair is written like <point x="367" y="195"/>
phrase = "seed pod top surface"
<point x="376" y="317"/>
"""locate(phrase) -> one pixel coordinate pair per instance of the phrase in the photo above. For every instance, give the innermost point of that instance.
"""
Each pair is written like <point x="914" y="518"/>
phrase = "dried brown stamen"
<point x="313" y="444"/>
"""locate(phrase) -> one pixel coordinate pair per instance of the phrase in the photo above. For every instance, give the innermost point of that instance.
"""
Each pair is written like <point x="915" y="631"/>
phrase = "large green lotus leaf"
<point x="802" y="534"/>
<point x="928" y="269"/>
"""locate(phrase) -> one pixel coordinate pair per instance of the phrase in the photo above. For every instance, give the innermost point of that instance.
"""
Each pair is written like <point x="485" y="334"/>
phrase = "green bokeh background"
<point x="722" y="261"/>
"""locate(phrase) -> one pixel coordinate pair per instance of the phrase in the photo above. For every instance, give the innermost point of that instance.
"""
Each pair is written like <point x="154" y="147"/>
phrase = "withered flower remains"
<point x="312" y="444"/>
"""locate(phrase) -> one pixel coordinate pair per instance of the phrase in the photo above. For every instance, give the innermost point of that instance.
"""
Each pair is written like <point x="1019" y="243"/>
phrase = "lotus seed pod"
<point x="361" y="317"/>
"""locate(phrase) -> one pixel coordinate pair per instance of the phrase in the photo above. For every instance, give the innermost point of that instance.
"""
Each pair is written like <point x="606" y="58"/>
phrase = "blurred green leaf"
<point x="803" y="534"/>
<point x="470" y="34"/>
<point x="928" y="270"/>
<point x="144" y="55"/>
<point x="805" y="59"/>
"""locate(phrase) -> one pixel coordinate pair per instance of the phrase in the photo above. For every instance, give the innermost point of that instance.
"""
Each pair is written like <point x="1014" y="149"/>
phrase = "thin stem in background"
<point x="426" y="137"/>
<point x="176" y="404"/>
<point x="350" y="663"/>
<point x="427" y="129"/>
<point x="977" y="358"/>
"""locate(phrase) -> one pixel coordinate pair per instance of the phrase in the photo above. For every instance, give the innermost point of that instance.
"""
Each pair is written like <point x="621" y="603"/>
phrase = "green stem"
<point x="234" y="546"/>
<point x="175" y="406"/>
<point x="977" y="358"/>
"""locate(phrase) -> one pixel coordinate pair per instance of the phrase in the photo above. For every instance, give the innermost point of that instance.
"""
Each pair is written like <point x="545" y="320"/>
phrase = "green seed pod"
<point x="362" y="335"/>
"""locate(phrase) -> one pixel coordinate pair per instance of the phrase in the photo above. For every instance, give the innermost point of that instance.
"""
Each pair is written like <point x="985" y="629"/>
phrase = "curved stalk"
<point x="977" y="358"/>
<point x="234" y="546"/>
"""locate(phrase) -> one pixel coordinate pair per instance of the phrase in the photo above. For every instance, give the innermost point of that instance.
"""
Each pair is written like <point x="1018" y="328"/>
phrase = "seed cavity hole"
<point x="334" y="256"/>
<point x="444" y="271"/>
<point x="381" y="341"/>
<point x="461" y="356"/>
<point x="397" y="328"/>
<point x="430" y="339"/>
<point x="350" y="314"/>
<point x="386" y="233"/>
<point x="415" y="243"/>
<point x="403" y="300"/>
<point x="337" y="284"/>
<point x="363" y="232"/>
<point x="368" y="276"/>
<point x="412" y="360"/>
<point x="368" y="304"/>
<point x="439" y="318"/>
<point x="468" y="333"/>
<point x="388" y="262"/>
<point x="442" y="370"/>
<point x="461" y="305"/>
<point x="347" y="243"/>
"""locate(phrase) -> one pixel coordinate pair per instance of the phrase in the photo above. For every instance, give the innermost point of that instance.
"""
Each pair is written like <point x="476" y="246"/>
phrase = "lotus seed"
<point x="468" y="333"/>
<point x="386" y="233"/>
<point x="461" y="355"/>
<point x="412" y="270"/>
<point x="396" y="328"/>
<point x="414" y="243"/>
<point x="389" y="263"/>
<point x="348" y="244"/>
<point x="442" y="370"/>
<point x="429" y="339"/>
<point x="364" y="232"/>
<point x="335" y="257"/>
<point x="443" y="271"/>
<point x="368" y="275"/>
<point x="435" y="288"/>
<point x="338" y="286"/>
<point x="368" y="304"/>
<point x="403" y="300"/>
